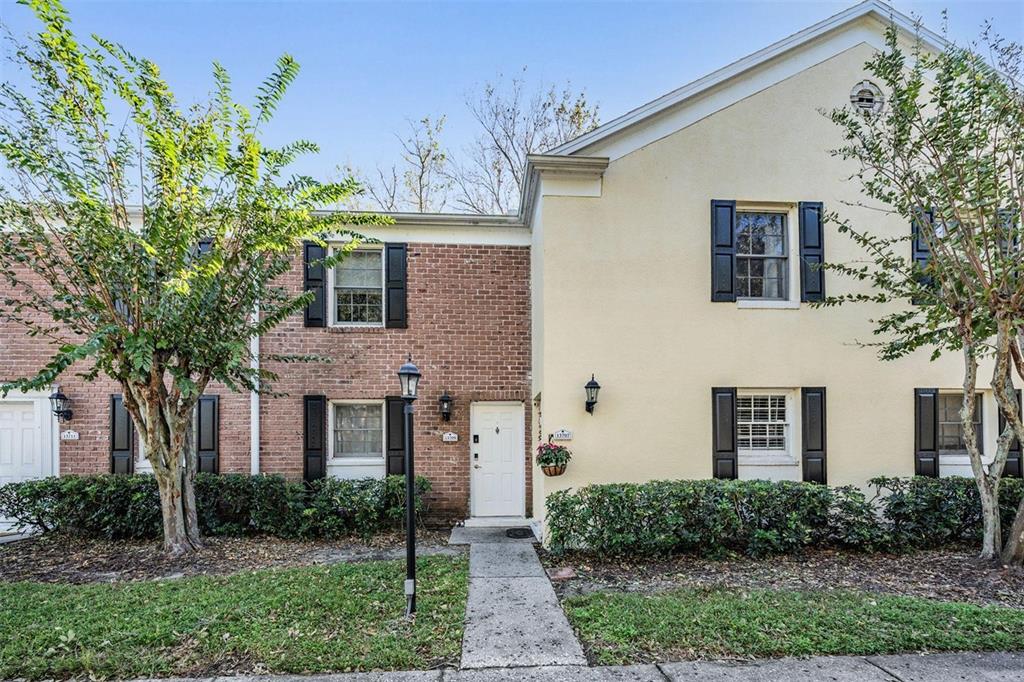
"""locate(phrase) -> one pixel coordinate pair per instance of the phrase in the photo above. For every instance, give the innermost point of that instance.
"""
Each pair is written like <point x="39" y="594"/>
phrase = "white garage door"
<point x="26" y="442"/>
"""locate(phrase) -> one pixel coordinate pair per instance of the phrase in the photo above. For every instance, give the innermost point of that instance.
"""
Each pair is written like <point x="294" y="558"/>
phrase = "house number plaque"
<point x="449" y="437"/>
<point x="562" y="434"/>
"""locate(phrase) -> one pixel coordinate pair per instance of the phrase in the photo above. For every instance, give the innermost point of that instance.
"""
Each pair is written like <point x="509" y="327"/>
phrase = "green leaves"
<point x="944" y="157"/>
<point x="272" y="90"/>
<point x="165" y="233"/>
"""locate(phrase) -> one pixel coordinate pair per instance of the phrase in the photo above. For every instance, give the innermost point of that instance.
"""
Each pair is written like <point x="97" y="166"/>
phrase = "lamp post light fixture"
<point x="592" y="388"/>
<point x="409" y="376"/>
<point x="446" y="406"/>
<point x="60" y="404"/>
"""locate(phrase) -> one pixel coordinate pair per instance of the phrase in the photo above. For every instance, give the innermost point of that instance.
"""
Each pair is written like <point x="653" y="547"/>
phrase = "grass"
<point x="303" y="620"/>
<point x="621" y="628"/>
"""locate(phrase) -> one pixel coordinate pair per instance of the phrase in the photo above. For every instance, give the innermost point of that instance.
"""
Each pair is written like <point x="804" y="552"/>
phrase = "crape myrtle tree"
<point x="946" y="154"/>
<point x="141" y="237"/>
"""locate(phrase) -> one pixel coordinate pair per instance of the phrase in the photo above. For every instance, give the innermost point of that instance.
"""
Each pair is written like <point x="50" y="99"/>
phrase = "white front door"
<point x="498" y="473"/>
<point x="24" y="451"/>
<point x="26" y="441"/>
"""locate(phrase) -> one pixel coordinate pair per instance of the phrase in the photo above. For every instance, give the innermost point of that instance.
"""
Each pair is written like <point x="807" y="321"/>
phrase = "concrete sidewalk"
<point x="988" y="667"/>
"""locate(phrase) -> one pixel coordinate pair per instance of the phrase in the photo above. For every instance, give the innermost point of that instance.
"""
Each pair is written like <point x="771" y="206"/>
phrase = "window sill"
<point x="355" y="329"/>
<point x="766" y="304"/>
<point x="355" y="461"/>
<point x="765" y="460"/>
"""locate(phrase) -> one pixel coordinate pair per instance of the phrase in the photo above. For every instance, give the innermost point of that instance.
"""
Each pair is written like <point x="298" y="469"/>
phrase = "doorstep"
<point x="496" y="522"/>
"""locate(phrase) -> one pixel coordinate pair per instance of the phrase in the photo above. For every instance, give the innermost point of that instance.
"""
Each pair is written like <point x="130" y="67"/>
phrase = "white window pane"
<point x="359" y="269"/>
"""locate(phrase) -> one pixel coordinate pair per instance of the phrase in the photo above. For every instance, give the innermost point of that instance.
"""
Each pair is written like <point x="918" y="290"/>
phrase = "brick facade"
<point x="468" y="331"/>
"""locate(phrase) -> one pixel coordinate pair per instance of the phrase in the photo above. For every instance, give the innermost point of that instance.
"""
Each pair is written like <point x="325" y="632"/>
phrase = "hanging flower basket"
<point x="552" y="458"/>
<point x="553" y="469"/>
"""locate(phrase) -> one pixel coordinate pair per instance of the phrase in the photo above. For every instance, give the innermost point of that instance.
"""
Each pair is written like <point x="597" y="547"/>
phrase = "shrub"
<point x="128" y="507"/>
<point x="923" y="512"/>
<point x="758" y="518"/>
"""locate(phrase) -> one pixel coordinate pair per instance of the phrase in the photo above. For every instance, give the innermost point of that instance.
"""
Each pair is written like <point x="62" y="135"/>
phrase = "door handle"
<point x="476" y="466"/>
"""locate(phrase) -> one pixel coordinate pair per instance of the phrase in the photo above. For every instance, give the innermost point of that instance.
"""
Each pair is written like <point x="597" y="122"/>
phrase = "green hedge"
<point x="128" y="507"/>
<point x="759" y="518"/>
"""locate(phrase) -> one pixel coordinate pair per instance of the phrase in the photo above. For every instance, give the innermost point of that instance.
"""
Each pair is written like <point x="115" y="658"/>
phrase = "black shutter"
<point x="812" y="251"/>
<point x="396" y="435"/>
<point x="314" y="437"/>
<point x="812" y="402"/>
<point x="122" y="438"/>
<point x="207" y="433"/>
<point x="395" y="286"/>
<point x="723" y="250"/>
<point x="920" y="251"/>
<point x="723" y="432"/>
<point x="315" y="280"/>
<point x="1013" y="460"/>
<point x="926" y="432"/>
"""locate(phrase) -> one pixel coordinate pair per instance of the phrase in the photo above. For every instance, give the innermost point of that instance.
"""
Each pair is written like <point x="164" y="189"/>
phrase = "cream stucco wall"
<point x="622" y="290"/>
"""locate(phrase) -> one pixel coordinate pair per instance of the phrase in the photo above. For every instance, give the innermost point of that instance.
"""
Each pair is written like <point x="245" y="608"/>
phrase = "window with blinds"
<point x="761" y="423"/>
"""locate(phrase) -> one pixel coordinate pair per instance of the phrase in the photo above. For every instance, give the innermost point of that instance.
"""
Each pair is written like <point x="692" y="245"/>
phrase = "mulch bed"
<point x="64" y="559"/>
<point x="946" y="575"/>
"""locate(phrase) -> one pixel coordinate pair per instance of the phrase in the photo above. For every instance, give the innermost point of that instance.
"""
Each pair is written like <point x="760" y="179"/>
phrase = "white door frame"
<point x="51" y="434"/>
<point x="521" y="459"/>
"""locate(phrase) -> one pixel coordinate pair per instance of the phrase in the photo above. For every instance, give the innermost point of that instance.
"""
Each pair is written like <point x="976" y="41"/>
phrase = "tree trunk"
<point x="188" y="477"/>
<point x="166" y="426"/>
<point x="172" y="507"/>
<point x="1013" y="550"/>
<point x="992" y="535"/>
<point x="988" y="485"/>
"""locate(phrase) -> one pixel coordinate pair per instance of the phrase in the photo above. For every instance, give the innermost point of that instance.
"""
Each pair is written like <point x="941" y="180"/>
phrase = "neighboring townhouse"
<point x="451" y="291"/>
<point x="668" y="254"/>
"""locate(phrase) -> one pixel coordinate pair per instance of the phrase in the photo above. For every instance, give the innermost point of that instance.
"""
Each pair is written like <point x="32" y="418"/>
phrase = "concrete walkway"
<point x="513" y="619"/>
<point x="989" y="667"/>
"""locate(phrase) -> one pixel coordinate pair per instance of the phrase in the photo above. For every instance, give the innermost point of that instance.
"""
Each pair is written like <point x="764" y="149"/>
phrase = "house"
<point x="667" y="254"/>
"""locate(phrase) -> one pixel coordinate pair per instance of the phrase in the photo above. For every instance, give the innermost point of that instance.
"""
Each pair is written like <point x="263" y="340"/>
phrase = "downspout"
<point x="254" y="402"/>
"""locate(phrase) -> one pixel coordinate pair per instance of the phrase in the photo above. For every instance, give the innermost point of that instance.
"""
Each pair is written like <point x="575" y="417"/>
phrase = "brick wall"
<point x="22" y="356"/>
<point x="468" y="332"/>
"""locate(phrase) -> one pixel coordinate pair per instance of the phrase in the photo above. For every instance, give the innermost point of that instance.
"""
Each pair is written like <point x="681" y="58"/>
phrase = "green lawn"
<point x="698" y="623"/>
<point x="345" y="617"/>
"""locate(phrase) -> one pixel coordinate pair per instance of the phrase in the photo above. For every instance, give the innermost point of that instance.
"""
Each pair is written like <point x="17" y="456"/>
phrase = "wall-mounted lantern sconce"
<point x="60" y="404"/>
<point x="446" y="401"/>
<point x="592" y="388"/>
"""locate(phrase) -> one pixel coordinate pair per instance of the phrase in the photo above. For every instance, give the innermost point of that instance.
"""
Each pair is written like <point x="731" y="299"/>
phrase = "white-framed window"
<point x="762" y="255"/>
<point x="357" y="431"/>
<point x="765" y="426"/>
<point x="357" y="289"/>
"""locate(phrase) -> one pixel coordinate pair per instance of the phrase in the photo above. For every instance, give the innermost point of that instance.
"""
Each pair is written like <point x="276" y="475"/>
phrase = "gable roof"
<point x="870" y="9"/>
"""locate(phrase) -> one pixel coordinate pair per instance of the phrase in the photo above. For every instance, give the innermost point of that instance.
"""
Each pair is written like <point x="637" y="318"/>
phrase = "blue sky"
<point x="367" y="67"/>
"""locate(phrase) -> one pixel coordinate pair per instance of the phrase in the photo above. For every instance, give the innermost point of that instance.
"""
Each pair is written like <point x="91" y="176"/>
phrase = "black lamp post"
<point x="409" y="376"/>
<point x="60" y="404"/>
<point x="592" y="388"/>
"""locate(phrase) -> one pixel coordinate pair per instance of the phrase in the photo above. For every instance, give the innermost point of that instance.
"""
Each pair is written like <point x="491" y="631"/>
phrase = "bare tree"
<point x="515" y="124"/>
<point x="486" y="176"/>
<point x="420" y="184"/>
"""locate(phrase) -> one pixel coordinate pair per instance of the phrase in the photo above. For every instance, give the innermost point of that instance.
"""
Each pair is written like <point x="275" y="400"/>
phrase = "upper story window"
<point x="951" y="428"/>
<point x="358" y="431"/>
<point x="358" y="289"/>
<point x="761" y="255"/>
<point x="762" y="426"/>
